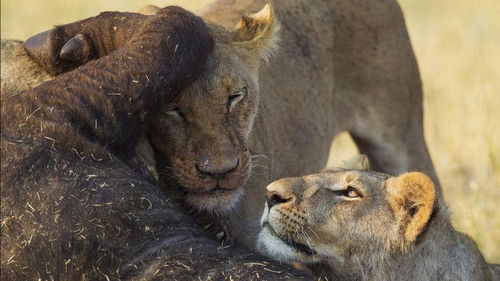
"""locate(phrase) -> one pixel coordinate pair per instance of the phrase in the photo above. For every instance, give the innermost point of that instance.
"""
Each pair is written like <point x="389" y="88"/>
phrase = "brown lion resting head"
<point x="356" y="224"/>
<point x="201" y="139"/>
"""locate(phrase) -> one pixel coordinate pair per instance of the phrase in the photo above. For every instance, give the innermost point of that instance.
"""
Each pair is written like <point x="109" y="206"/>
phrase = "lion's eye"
<point x="174" y="112"/>
<point x="234" y="99"/>
<point x="351" y="192"/>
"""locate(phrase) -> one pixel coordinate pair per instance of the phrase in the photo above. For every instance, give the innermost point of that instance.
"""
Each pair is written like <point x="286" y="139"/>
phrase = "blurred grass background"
<point x="457" y="46"/>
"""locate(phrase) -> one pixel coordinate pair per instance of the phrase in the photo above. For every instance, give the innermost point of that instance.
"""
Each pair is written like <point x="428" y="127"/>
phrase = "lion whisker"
<point x="307" y="240"/>
<point x="256" y="161"/>
<point x="312" y="230"/>
<point x="254" y="156"/>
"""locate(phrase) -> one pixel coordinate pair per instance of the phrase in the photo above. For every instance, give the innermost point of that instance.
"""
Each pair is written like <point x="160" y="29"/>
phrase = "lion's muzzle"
<point x="210" y="185"/>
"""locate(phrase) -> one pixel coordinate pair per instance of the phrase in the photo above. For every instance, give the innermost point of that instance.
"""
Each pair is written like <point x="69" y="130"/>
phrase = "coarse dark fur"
<point x="75" y="203"/>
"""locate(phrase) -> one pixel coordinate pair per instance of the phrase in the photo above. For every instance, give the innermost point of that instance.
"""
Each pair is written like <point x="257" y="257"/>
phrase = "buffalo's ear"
<point x="258" y="33"/>
<point x="411" y="197"/>
<point x="359" y="162"/>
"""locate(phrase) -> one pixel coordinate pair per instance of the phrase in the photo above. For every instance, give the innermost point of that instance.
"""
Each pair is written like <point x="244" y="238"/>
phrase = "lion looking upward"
<point x="364" y="225"/>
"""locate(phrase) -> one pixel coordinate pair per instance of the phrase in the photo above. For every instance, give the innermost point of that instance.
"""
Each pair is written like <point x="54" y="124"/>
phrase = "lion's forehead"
<point x="342" y="179"/>
<point x="330" y="179"/>
<point x="221" y="78"/>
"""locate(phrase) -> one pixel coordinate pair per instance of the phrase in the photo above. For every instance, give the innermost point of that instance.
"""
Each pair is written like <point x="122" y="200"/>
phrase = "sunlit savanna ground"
<point x="457" y="47"/>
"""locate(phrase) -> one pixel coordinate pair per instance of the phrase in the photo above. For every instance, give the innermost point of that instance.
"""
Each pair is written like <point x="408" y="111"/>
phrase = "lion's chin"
<point x="218" y="201"/>
<point x="270" y="244"/>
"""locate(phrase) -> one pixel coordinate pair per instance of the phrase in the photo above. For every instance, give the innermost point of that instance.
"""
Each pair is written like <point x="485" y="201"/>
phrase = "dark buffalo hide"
<point x="76" y="205"/>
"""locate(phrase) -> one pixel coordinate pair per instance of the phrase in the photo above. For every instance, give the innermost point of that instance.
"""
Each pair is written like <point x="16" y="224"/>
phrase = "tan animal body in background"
<point x="19" y="71"/>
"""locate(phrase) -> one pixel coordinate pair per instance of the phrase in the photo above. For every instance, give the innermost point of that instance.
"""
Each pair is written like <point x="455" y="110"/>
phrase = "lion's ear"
<point x="258" y="33"/>
<point x="411" y="196"/>
<point x="359" y="162"/>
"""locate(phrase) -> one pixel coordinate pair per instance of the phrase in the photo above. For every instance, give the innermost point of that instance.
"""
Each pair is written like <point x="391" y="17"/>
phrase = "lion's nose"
<point x="217" y="170"/>
<point x="277" y="193"/>
<point x="274" y="198"/>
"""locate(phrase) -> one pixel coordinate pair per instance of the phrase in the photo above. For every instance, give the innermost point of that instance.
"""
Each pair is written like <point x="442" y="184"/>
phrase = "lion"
<point x="341" y="66"/>
<point x="365" y="225"/>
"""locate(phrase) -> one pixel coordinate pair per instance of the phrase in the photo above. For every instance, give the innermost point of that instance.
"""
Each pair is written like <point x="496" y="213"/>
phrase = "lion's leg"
<point x="396" y="147"/>
<point x="378" y="92"/>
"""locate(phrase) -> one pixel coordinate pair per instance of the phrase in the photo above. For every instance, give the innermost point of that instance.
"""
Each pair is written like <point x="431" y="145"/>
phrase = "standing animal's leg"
<point x="397" y="147"/>
<point x="375" y="67"/>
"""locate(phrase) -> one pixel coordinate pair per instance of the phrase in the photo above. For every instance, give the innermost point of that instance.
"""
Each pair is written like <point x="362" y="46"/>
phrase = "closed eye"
<point x="174" y="112"/>
<point x="234" y="99"/>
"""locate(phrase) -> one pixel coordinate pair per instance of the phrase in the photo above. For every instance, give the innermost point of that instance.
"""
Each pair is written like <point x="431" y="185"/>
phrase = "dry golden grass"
<point x="457" y="46"/>
<point x="456" y="43"/>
